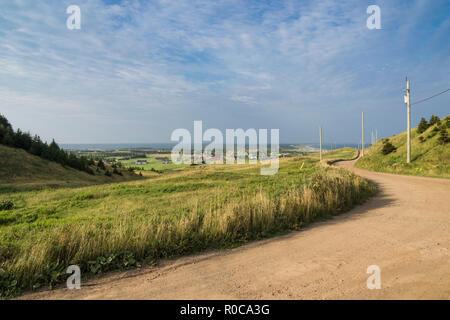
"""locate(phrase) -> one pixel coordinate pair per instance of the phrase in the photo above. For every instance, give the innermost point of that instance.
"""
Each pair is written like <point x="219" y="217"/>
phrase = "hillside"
<point x="20" y="170"/>
<point x="429" y="157"/>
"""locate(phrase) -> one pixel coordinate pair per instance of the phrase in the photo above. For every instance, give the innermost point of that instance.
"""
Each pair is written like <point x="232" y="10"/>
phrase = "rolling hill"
<point x="20" y="171"/>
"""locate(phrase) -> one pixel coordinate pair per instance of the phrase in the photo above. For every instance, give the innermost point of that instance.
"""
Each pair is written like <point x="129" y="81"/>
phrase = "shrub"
<point x="115" y="171"/>
<point x="422" y="139"/>
<point x="443" y="136"/>
<point x="100" y="164"/>
<point x="6" y="204"/>
<point x="388" y="147"/>
<point x="107" y="173"/>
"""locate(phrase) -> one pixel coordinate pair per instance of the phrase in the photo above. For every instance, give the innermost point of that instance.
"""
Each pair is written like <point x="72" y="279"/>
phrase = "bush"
<point x="115" y="171"/>
<point x="443" y="136"/>
<point x="107" y="173"/>
<point x="100" y="164"/>
<point x="6" y="204"/>
<point x="388" y="147"/>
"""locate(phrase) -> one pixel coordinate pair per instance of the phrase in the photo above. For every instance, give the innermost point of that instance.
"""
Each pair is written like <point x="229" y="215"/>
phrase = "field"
<point x="429" y="157"/>
<point x="152" y="163"/>
<point x="123" y="225"/>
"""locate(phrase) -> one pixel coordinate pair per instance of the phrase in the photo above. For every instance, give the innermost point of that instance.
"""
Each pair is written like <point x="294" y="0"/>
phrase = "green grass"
<point x="428" y="158"/>
<point x="21" y="171"/>
<point x="121" y="225"/>
<point x="338" y="154"/>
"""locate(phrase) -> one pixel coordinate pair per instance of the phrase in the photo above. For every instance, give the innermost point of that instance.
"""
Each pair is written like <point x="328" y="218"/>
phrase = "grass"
<point x="429" y="157"/>
<point x="21" y="171"/>
<point x="122" y="225"/>
<point x="338" y="154"/>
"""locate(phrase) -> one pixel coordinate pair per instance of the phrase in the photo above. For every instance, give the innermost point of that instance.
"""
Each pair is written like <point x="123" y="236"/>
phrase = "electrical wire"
<point x="426" y="99"/>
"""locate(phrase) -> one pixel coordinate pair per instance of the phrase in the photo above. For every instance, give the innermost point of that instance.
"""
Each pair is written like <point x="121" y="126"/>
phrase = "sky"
<point x="138" y="70"/>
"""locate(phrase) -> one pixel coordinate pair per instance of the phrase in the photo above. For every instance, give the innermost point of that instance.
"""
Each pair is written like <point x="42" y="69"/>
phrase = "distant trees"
<point x="423" y="126"/>
<point x="35" y="146"/>
<point x="434" y="120"/>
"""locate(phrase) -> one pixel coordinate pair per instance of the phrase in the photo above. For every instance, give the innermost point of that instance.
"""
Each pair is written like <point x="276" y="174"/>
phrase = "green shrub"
<point x="388" y="147"/>
<point x="6" y="204"/>
<point x="100" y="164"/>
<point x="443" y="136"/>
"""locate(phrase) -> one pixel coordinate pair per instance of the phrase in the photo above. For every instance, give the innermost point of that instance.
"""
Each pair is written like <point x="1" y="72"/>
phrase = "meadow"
<point x="123" y="225"/>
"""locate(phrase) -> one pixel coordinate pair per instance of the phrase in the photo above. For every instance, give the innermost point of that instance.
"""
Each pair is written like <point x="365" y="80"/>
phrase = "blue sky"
<point x="137" y="70"/>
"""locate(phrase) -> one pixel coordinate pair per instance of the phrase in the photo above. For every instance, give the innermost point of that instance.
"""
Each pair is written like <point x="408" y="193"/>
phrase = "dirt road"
<point x="405" y="230"/>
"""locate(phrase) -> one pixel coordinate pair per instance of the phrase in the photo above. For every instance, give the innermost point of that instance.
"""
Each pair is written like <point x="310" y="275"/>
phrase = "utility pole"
<point x="362" y="140"/>
<point x="408" y="106"/>
<point x="320" y="143"/>
<point x="376" y="135"/>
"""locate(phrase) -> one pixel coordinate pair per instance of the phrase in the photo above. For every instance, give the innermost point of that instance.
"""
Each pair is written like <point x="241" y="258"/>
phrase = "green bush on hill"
<point x="387" y="147"/>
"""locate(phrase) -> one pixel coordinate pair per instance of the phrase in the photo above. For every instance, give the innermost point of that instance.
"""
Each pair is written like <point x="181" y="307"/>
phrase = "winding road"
<point x="405" y="230"/>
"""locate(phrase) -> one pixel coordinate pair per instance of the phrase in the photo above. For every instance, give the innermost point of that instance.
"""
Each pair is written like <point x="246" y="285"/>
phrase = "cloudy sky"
<point x="137" y="70"/>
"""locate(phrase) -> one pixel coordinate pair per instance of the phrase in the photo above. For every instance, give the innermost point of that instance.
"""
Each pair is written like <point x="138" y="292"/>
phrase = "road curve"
<point x="405" y="230"/>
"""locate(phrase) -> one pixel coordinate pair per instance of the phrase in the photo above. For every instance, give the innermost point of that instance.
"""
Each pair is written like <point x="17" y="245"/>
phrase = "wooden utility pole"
<point x="362" y="140"/>
<point x="320" y="143"/>
<point x="408" y="133"/>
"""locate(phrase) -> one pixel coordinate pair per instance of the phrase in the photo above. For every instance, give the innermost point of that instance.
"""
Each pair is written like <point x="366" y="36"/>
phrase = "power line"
<point x="426" y="99"/>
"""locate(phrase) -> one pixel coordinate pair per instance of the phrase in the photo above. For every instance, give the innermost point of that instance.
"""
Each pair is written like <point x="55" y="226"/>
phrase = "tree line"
<point x="37" y="147"/>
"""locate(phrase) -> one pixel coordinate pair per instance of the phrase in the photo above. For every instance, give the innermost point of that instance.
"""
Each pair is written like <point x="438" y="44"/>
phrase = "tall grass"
<point x="127" y="240"/>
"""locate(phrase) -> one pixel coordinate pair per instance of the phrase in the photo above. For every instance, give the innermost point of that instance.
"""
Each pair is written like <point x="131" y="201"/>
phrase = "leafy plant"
<point x="388" y="147"/>
<point x="443" y="136"/>
<point x="6" y="204"/>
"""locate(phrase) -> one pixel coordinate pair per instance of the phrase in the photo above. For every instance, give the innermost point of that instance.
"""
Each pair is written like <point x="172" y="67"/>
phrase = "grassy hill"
<point x="429" y="157"/>
<point x="122" y="225"/>
<point x="20" y="170"/>
<point x="335" y="155"/>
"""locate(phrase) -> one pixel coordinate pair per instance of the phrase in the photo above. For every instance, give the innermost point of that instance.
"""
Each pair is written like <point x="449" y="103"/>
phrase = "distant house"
<point x="140" y="162"/>
<point x="164" y="160"/>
